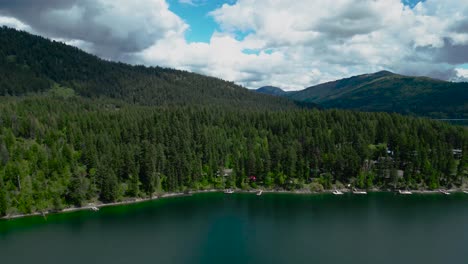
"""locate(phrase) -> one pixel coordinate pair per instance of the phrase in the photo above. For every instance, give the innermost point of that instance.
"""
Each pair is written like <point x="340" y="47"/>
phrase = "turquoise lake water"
<point x="245" y="228"/>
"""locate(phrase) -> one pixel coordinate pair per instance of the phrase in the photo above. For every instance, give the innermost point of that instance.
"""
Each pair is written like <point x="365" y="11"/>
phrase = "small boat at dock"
<point x="228" y="191"/>
<point x="444" y="192"/>
<point x="94" y="208"/>
<point x="465" y="192"/>
<point x="259" y="193"/>
<point x="359" y="192"/>
<point x="404" y="192"/>
<point x="337" y="192"/>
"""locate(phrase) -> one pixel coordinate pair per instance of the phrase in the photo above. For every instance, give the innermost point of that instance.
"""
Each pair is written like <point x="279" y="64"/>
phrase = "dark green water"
<point x="245" y="228"/>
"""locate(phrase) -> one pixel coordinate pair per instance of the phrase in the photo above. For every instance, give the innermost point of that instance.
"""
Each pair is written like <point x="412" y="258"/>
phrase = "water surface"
<point x="245" y="228"/>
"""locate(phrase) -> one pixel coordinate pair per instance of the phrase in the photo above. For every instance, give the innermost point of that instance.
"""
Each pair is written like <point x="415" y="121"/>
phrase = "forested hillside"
<point x="76" y="129"/>
<point x="31" y="63"/>
<point x="388" y="92"/>
<point x="57" y="152"/>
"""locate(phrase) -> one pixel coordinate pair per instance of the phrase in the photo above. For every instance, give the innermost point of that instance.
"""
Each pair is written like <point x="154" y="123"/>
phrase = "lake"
<point x="245" y="228"/>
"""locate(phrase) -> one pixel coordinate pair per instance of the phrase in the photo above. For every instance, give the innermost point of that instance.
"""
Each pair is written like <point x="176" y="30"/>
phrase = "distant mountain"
<point x="388" y="92"/>
<point x="33" y="64"/>
<point x="271" y="90"/>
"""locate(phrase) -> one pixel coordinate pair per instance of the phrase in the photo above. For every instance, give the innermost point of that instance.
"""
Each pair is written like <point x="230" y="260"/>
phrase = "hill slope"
<point x="271" y="90"/>
<point x="56" y="153"/>
<point x="388" y="92"/>
<point x="30" y="63"/>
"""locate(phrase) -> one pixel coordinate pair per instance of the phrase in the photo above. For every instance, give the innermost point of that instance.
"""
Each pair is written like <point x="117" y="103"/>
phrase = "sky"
<point x="289" y="44"/>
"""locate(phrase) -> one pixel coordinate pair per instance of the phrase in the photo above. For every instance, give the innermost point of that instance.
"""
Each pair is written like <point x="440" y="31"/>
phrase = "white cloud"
<point x="346" y="37"/>
<point x="289" y="34"/>
<point x="299" y="43"/>
<point x="461" y="75"/>
<point x="222" y="57"/>
<point x="113" y="27"/>
<point x="14" y="23"/>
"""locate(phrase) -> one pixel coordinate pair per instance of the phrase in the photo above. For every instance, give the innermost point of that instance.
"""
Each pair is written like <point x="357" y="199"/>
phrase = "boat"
<point x="228" y="191"/>
<point x="337" y="192"/>
<point x="404" y="192"/>
<point x="444" y="192"/>
<point x="359" y="192"/>
<point x="465" y="192"/>
<point x="94" y="208"/>
<point x="259" y="193"/>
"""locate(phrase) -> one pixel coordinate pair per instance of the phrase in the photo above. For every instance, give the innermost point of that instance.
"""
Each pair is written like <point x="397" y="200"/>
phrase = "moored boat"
<point x="404" y="192"/>
<point x="228" y="191"/>
<point x="355" y="191"/>
<point x="259" y="193"/>
<point x="444" y="192"/>
<point x="337" y="192"/>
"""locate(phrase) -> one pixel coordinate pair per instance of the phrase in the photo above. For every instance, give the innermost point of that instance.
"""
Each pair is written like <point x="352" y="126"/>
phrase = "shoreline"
<point x="130" y="201"/>
<point x="90" y="206"/>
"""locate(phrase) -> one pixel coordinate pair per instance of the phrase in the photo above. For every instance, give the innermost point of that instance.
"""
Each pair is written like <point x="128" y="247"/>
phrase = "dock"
<point x="404" y="192"/>
<point x="337" y="192"/>
<point x="444" y="192"/>
<point x="228" y="191"/>
<point x="359" y="192"/>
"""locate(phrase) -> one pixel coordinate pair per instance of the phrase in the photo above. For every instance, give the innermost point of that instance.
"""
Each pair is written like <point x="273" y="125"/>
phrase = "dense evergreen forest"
<point x="57" y="152"/>
<point x="76" y="129"/>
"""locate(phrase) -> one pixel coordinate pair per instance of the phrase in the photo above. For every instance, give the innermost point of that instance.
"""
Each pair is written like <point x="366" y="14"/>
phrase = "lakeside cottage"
<point x="457" y="153"/>
<point x="225" y="172"/>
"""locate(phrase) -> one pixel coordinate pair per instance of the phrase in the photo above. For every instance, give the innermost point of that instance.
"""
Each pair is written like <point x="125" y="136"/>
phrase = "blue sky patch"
<point x="196" y="14"/>
<point x="412" y="3"/>
<point x="251" y="51"/>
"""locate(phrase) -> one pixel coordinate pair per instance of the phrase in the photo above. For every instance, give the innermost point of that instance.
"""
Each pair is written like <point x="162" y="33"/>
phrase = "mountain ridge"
<point x="385" y="91"/>
<point x="271" y="90"/>
<point x="34" y="64"/>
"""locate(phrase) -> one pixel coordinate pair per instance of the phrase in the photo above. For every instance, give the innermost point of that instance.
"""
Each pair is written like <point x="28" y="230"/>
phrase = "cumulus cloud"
<point x="345" y="37"/>
<point x="291" y="44"/>
<point x="461" y="75"/>
<point x="302" y="43"/>
<point x="113" y="27"/>
<point x="14" y="23"/>
<point x="223" y="56"/>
